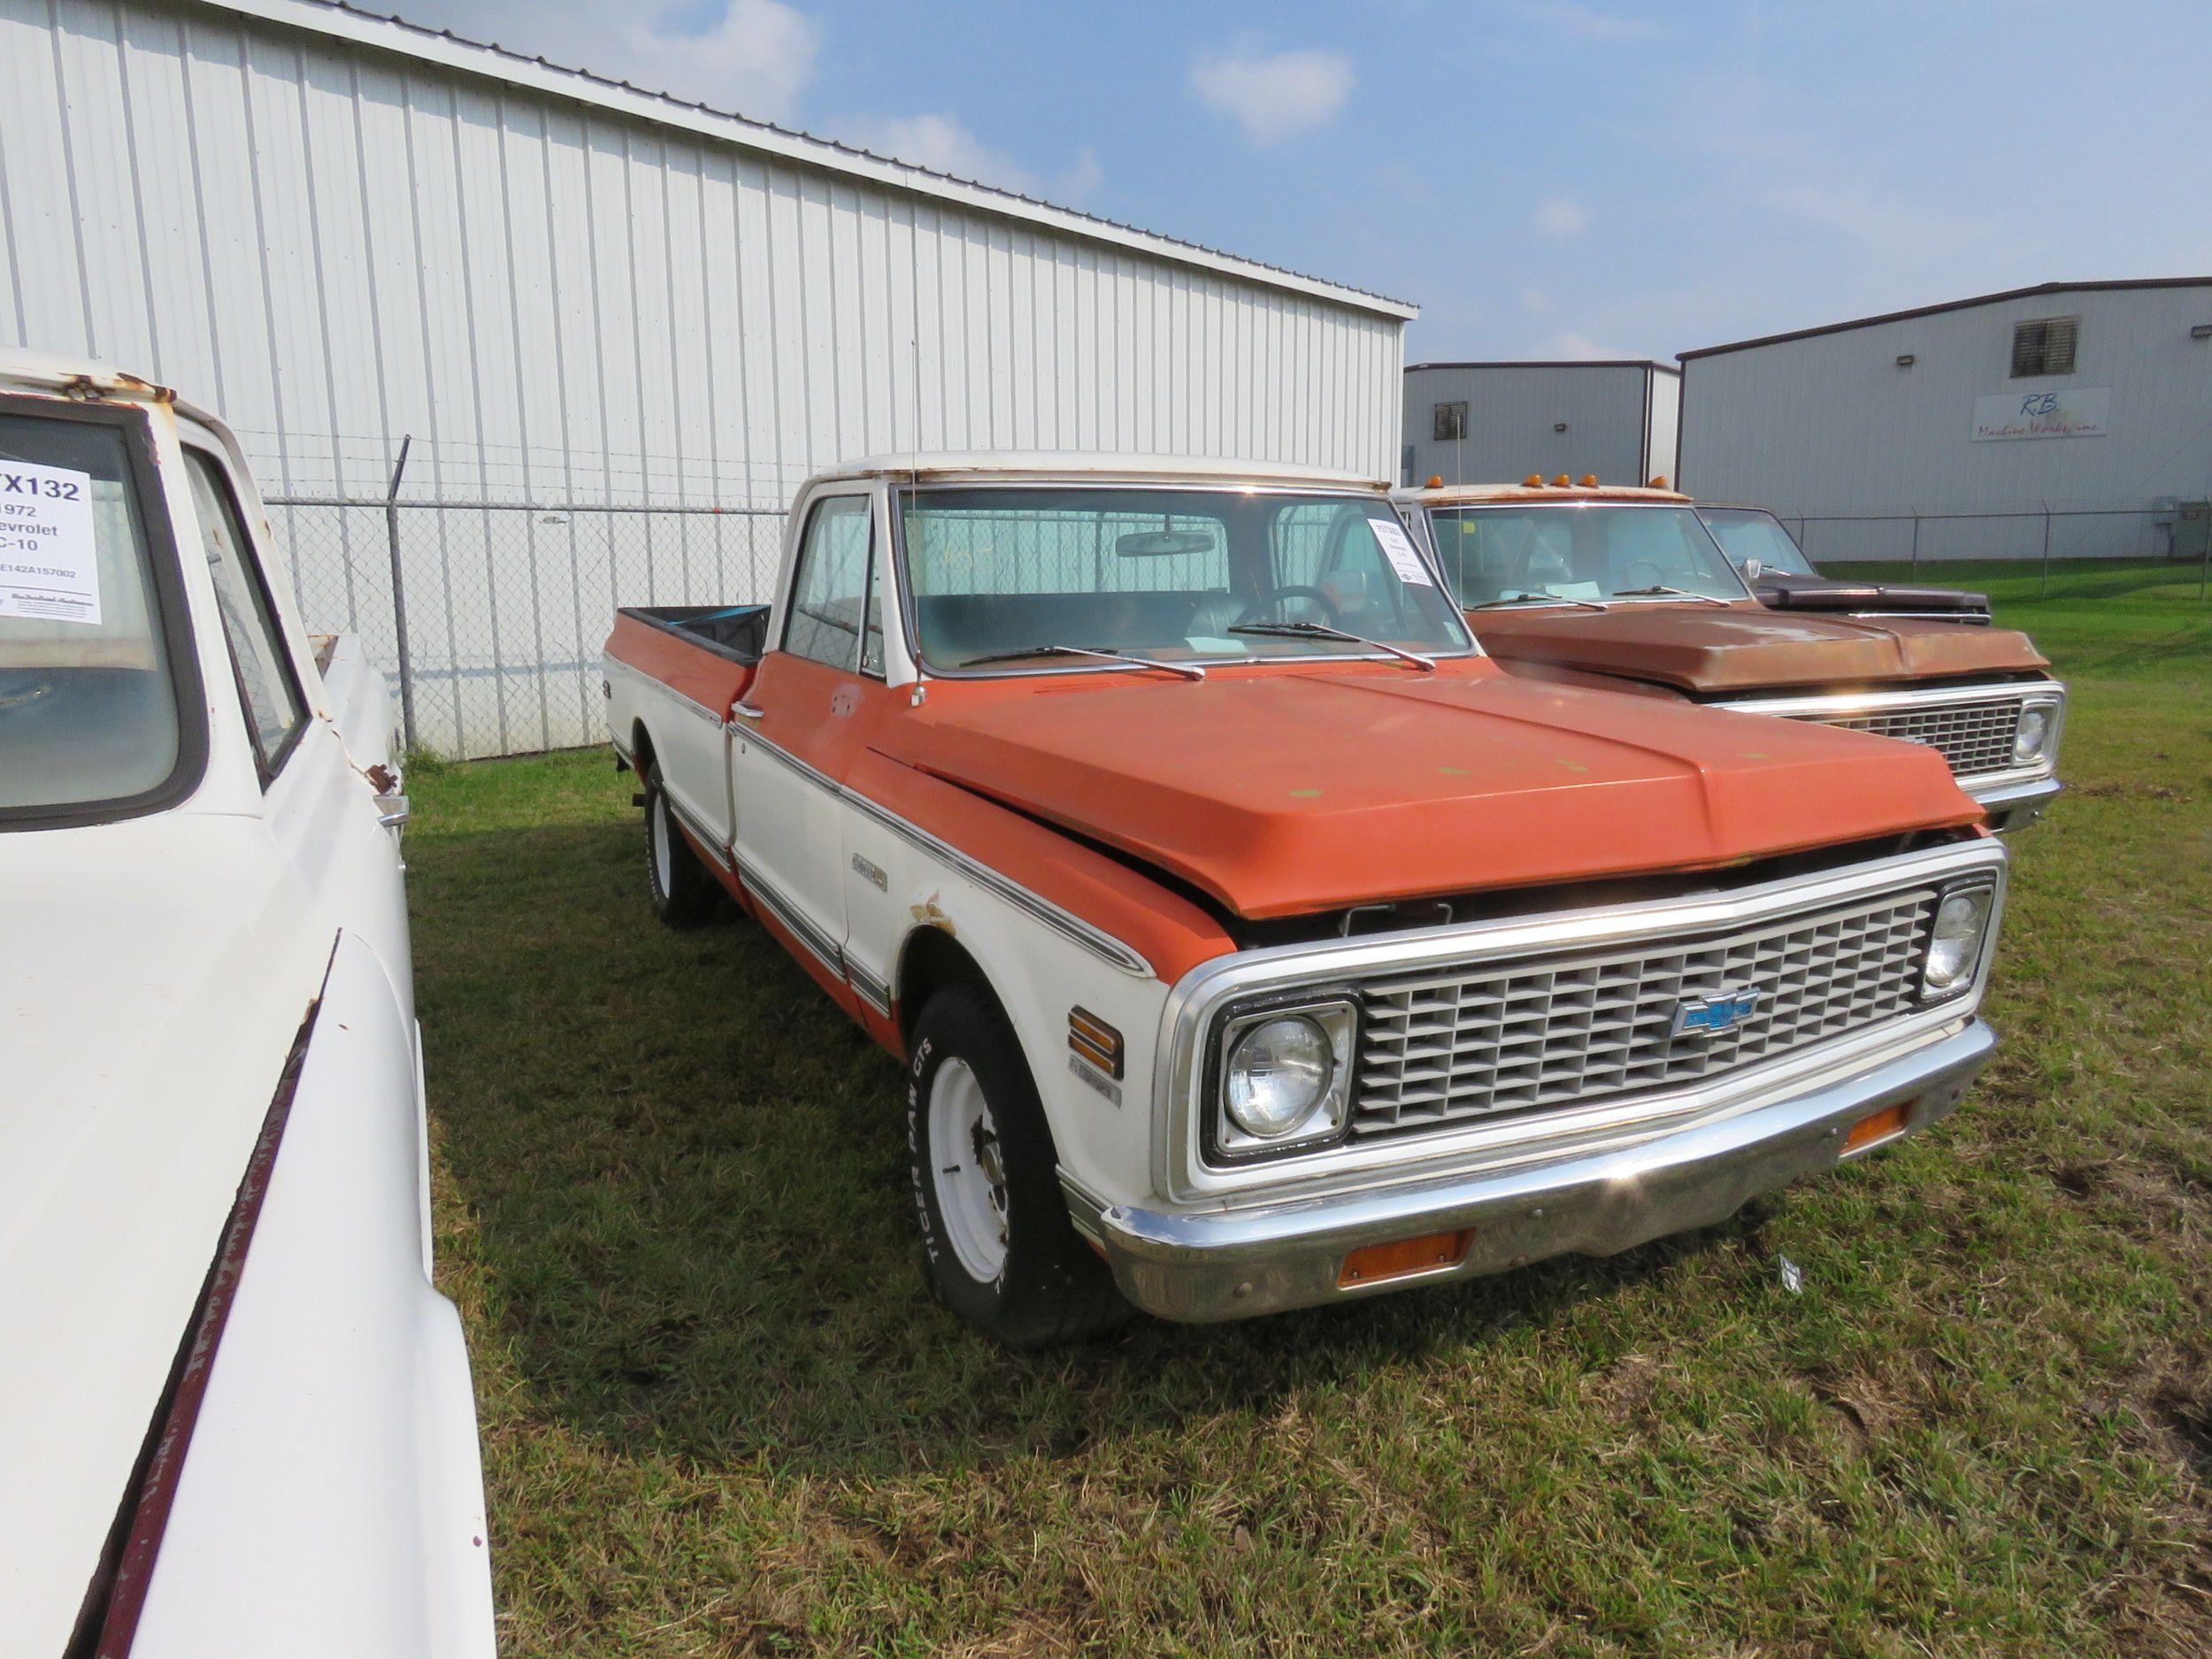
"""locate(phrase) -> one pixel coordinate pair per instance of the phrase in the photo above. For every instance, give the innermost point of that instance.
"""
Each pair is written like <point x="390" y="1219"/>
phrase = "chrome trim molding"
<point x="1180" y="1172"/>
<point x="700" y="832"/>
<point x="1215" y="1264"/>
<point x="872" y="990"/>
<point x="2050" y="693"/>
<point x="690" y="705"/>
<point x="818" y="943"/>
<point x="1067" y="924"/>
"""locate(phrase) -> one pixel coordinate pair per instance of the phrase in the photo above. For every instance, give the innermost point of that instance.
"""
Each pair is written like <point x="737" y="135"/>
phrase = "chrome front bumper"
<point x="2013" y="806"/>
<point x="1232" y="1263"/>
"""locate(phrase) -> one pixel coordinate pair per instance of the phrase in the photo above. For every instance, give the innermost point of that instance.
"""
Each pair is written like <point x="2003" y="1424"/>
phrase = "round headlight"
<point x="2031" y="734"/>
<point x="1278" y="1072"/>
<point x="1956" y="939"/>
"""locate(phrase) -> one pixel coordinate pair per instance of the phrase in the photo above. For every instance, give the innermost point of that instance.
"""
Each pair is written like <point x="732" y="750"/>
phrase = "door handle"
<point x="747" y="711"/>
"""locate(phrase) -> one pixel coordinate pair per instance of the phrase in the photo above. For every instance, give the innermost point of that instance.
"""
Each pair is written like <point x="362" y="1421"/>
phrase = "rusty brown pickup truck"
<point x="1626" y="589"/>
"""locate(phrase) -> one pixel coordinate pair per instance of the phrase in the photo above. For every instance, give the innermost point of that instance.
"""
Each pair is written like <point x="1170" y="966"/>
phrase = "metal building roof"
<point x="339" y="20"/>
<point x="1953" y="305"/>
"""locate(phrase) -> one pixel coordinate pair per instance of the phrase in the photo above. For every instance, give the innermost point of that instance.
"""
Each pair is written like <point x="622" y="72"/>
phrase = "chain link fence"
<point x="488" y="617"/>
<point x="2053" y="551"/>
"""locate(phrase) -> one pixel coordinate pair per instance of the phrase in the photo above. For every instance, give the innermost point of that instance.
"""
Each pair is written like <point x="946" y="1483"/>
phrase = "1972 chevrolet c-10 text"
<point x="1250" y="938"/>
<point x="235" y="1416"/>
<point x="1626" y="589"/>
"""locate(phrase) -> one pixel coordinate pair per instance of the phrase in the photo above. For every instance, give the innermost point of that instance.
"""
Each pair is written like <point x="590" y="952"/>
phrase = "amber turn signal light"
<point x="1401" y="1256"/>
<point x="1093" y="1040"/>
<point x="1889" y="1121"/>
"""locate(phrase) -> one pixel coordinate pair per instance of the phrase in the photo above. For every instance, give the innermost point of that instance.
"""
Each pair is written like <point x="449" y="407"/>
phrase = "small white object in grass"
<point x="1793" y="1275"/>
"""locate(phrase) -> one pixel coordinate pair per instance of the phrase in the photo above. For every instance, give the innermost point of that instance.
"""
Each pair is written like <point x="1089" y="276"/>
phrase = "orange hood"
<point x="1288" y="793"/>
<point x="1746" y="647"/>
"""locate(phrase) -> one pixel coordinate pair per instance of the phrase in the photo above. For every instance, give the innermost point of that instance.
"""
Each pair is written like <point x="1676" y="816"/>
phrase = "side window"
<point x="831" y="598"/>
<point x="275" y="710"/>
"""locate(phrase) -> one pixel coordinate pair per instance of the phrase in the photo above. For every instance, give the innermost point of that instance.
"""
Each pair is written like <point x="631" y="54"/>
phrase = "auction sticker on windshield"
<point x="1398" y="549"/>
<point x="50" y="566"/>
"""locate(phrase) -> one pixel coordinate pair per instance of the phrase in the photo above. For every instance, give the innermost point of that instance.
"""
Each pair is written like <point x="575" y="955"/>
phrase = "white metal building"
<point x="1963" y="430"/>
<point x="1480" y="423"/>
<point x="338" y="230"/>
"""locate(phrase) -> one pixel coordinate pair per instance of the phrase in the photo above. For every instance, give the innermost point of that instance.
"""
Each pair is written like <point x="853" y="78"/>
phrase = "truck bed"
<point x="701" y="655"/>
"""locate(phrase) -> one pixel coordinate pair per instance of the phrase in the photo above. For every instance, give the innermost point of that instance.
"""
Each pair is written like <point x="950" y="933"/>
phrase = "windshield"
<point x="1587" y="551"/>
<point x="1175" y="575"/>
<point x="1753" y="532"/>
<point x="88" y="708"/>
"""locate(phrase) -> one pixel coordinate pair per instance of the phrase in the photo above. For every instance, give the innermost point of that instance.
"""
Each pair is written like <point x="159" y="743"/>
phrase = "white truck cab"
<point x="236" y="1415"/>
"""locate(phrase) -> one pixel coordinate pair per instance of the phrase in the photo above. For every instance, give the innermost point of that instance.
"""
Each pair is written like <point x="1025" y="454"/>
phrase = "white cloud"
<point x="1277" y="96"/>
<point x="1535" y="302"/>
<point x="757" y="59"/>
<point x="1581" y="347"/>
<point x="1588" y="23"/>
<point x="942" y="144"/>
<point x="1556" y="216"/>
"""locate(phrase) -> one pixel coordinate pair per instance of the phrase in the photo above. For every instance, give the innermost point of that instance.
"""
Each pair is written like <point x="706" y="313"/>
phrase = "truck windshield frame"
<point x="1792" y="561"/>
<point x="1704" y="574"/>
<point x="1401" y="617"/>
<point x="168" y="618"/>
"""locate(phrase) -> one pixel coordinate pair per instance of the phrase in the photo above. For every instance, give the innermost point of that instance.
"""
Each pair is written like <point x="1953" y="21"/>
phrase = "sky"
<point x="1544" y="178"/>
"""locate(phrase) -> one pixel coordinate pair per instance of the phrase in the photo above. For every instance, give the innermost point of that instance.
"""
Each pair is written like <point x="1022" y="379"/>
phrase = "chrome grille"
<point x="1974" y="737"/>
<point x="1456" y="1044"/>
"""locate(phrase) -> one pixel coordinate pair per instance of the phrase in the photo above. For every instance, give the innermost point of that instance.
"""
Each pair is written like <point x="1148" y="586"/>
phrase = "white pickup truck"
<point x="236" y="1417"/>
<point x="1251" y="939"/>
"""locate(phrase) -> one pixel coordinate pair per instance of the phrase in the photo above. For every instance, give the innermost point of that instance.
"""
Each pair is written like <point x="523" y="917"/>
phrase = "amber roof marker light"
<point x="1535" y="481"/>
<point x="1436" y="480"/>
<point x="1658" y="481"/>
<point x="1559" y="482"/>
<point x="1588" y="480"/>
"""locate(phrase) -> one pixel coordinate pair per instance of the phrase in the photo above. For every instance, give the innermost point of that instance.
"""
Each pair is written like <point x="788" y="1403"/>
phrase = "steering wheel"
<point x="1256" y="611"/>
<point x="1628" y="569"/>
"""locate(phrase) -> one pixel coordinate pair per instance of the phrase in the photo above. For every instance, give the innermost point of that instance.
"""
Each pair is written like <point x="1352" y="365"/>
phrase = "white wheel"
<point x="970" y="1175"/>
<point x="660" y="838"/>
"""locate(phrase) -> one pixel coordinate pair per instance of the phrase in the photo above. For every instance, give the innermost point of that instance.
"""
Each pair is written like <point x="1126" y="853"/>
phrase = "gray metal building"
<point x="1470" y="423"/>
<point x="1970" y="429"/>
<point x="619" y="328"/>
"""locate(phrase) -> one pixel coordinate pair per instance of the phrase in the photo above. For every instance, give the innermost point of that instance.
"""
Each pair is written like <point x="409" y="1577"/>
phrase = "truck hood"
<point x="1702" y="648"/>
<point x="1282" y="793"/>
<point x="155" y="982"/>
<point x="1786" y="590"/>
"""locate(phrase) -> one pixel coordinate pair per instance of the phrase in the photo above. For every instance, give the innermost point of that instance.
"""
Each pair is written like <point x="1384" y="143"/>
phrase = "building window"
<point x="1451" y="423"/>
<point x="2044" y="347"/>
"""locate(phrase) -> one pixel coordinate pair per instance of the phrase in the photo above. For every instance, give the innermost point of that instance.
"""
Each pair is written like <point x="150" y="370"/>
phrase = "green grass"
<point x="721" y="1416"/>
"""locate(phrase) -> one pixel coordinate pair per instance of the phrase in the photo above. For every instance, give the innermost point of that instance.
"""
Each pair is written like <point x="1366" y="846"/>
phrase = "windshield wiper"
<point x="1659" y="590"/>
<point x="1323" y="631"/>
<point x="1536" y="599"/>
<point x="1189" y="671"/>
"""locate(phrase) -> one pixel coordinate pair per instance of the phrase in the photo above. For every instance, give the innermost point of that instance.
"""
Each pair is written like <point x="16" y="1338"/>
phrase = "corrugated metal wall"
<point x="335" y="244"/>
<point x="1831" y="429"/>
<point x="1511" y="410"/>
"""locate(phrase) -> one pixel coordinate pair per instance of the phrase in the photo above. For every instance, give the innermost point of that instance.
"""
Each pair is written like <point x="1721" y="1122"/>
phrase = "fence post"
<point x="399" y="598"/>
<point x="2045" y="594"/>
<point x="1916" y="542"/>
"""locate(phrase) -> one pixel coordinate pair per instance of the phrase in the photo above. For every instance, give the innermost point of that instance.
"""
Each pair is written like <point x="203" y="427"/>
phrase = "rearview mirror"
<point x="1157" y="544"/>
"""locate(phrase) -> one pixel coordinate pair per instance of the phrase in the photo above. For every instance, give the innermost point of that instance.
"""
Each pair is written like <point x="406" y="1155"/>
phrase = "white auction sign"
<point x="2078" y="412"/>
<point x="50" y="562"/>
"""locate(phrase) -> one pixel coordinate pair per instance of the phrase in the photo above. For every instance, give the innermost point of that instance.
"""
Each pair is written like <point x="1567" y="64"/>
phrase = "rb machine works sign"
<point x="2076" y="412"/>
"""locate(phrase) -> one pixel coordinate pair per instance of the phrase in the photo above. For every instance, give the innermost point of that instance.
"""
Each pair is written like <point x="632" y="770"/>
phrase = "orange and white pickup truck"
<point x="1626" y="589"/>
<point x="1251" y="940"/>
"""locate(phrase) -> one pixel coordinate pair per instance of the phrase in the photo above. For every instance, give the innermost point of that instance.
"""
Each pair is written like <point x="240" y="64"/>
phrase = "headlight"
<point x="2032" y="734"/>
<point x="1286" y="1076"/>
<point x="1954" y="943"/>
<point x="1278" y="1073"/>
